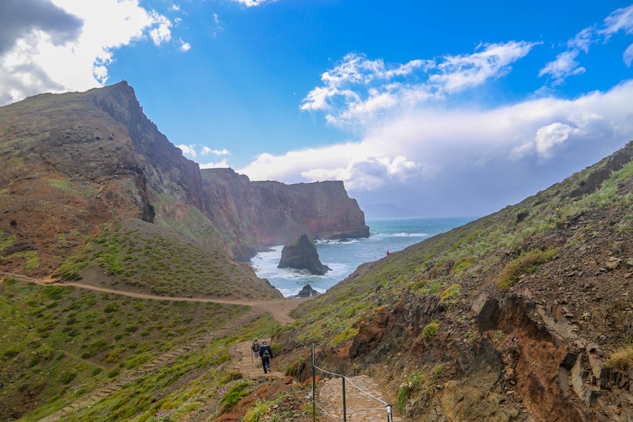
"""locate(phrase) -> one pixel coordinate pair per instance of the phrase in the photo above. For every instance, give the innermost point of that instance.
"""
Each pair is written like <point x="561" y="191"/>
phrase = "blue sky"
<point x="440" y="108"/>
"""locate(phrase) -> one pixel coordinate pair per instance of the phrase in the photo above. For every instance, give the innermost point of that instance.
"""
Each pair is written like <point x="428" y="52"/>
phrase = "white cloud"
<point x="359" y="89"/>
<point x="184" y="46"/>
<point x="565" y="64"/>
<point x="40" y="61"/>
<point x="174" y="8"/>
<point x="189" y="150"/>
<point x="424" y="144"/>
<point x="547" y="137"/>
<point x="207" y="150"/>
<point x="618" y="20"/>
<point x="251" y="3"/>
<point x="162" y="33"/>
<point x="221" y="165"/>
<point x="469" y="70"/>
<point x="628" y="55"/>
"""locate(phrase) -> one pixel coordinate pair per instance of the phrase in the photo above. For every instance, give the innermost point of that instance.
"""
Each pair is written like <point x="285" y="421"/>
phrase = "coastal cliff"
<point x="73" y="162"/>
<point x="260" y="214"/>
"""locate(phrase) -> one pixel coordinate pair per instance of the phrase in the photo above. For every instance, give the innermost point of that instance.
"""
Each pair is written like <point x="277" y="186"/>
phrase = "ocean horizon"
<point x="344" y="257"/>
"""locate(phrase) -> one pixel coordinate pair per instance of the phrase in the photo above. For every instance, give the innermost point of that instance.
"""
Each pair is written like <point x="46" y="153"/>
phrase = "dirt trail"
<point x="359" y="406"/>
<point x="244" y="363"/>
<point x="279" y="308"/>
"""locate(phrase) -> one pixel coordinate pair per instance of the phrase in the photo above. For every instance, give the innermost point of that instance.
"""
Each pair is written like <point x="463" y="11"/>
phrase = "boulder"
<point x="307" y="291"/>
<point x="302" y="254"/>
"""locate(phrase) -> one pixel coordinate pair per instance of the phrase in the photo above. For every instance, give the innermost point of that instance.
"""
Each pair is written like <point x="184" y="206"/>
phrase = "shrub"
<point x="96" y="372"/>
<point x="114" y="355"/>
<point x="292" y="369"/>
<point x="276" y="348"/>
<point x="234" y="395"/>
<point x="403" y="397"/>
<point x="11" y="353"/>
<point x="114" y="372"/>
<point x="348" y="333"/>
<point x="451" y="294"/>
<point x="463" y="263"/>
<point x="130" y="328"/>
<point x="111" y="307"/>
<point x="68" y="377"/>
<point x="430" y="330"/>
<point x="621" y="358"/>
<point x="10" y="282"/>
<point x="527" y="263"/>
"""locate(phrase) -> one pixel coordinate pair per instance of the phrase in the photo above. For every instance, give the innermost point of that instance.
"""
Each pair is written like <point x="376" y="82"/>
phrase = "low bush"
<point x="276" y="348"/>
<point x="527" y="263"/>
<point x="234" y="395"/>
<point x="430" y="330"/>
<point x="621" y="358"/>
<point x="68" y="377"/>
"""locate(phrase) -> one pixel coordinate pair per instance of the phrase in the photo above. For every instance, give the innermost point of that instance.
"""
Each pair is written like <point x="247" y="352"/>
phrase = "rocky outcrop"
<point x="260" y="214"/>
<point x="307" y="291"/>
<point x="302" y="254"/>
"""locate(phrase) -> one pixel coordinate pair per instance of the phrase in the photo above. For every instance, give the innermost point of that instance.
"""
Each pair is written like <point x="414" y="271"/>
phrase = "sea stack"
<point x="307" y="291"/>
<point x="302" y="254"/>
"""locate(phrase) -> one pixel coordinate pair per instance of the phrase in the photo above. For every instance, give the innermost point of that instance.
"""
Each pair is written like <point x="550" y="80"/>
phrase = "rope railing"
<point x="344" y="380"/>
<point x="325" y="412"/>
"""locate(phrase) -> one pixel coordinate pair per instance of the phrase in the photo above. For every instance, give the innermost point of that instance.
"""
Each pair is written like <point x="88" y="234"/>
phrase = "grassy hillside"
<point x="61" y="342"/>
<point x="134" y="255"/>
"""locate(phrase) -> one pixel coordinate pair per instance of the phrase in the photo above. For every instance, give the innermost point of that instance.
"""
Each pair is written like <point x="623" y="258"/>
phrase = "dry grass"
<point x="621" y="358"/>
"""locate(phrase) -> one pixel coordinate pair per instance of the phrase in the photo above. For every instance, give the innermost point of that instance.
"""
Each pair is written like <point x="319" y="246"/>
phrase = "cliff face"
<point x="257" y="214"/>
<point x="71" y="162"/>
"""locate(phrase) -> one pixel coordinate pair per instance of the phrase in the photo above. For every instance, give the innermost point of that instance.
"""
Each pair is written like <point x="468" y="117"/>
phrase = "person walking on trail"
<point x="266" y="353"/>
<point x="255" y="350"/>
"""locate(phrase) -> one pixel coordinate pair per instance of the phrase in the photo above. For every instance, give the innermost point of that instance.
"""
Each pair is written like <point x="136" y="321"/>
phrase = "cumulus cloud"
<point x="423" y="146"/>
<point x="360" y="165"/>
<point x="207" y="150"/>
<point x="357" y="88"/>
<point x="64" y="45"/>
<point x="221" y="165"/>
<point x="184" y="46"/>
<point x="189" y="150"/>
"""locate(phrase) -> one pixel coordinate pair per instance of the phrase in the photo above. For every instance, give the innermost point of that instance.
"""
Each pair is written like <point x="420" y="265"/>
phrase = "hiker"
<point x="266" y="353"/>
<point x="388" y="253"/>
<point x="255" y="350"/>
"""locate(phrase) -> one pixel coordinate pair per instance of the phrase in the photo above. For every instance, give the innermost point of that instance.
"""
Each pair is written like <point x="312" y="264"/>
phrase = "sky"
<point x="429" y="109"/>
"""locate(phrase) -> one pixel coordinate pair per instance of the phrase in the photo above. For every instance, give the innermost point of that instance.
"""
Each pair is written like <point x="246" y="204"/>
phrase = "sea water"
<point x="343" y="257"/>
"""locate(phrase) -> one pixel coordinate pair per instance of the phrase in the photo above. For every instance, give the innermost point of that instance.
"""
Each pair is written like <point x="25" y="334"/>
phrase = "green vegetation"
<point x="234" y="395"/>
<point x="64" y="342"/>
<point x="526" y="263"/>
<point x="430" y="330"/>
<point x="162" y="263"/>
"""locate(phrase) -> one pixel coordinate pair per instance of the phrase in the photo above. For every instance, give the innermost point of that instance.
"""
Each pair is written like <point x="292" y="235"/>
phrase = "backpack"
<point x="255" y="346"/>
<point x="266" y="354"/>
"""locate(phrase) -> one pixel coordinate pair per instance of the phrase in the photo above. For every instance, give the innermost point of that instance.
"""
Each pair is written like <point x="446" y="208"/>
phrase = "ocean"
<point x="393" y="234"/>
